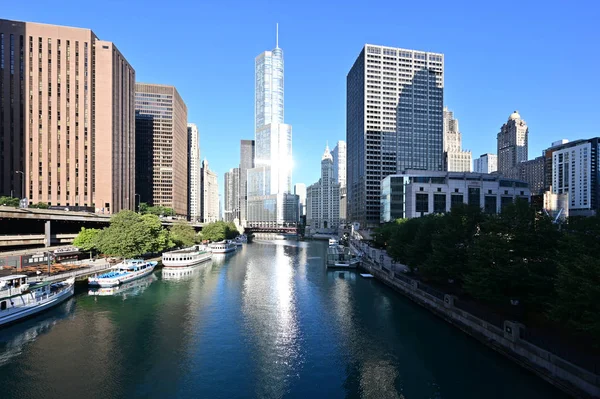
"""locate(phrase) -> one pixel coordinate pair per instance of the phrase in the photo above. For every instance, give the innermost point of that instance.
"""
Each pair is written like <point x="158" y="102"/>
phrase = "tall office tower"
<point x="322" y="198"/>
<point x="246" y="163"/>
<point x="66" y="117"/>
<point x="300" y="191"/>
<point x="270" y="202"/>
<point x="162" y="134"/>
<point x="512" y="145"/>
<point x="575" y="170"/>
<point x="533" y="172"/>
<point x="232" y="195"/>
<point x="486" y="163"/>
<point x="547" y="154"/>
<point x="209" y="195"/>
<point x="339" y="163"/>
<point x="455" y="159"/>
<point x="193" y="172"/>
<point x="394" y="101"/>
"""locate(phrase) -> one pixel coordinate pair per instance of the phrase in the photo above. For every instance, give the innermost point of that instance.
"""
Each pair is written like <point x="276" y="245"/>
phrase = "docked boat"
<point x="124" y="272"/>
<point x="67" y="251"/>
<point x="222" y="247"/>
<point x="19" y="300"/>
<point x="333" y="241"/>
<point x="186" y="257"/>
<point x="341" y="257"/>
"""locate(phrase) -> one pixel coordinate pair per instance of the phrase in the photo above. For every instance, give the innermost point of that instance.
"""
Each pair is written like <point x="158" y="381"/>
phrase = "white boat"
<point x="125" y="271"/>
<point x="222" y="247"/>
<point x="339" y="256"/>
<point x="186" y="257"/>
<point x="67" y="251"/>
<point x="19" y="300"/>
<point x="333" y="241"/>
<point x="131" y="288"/>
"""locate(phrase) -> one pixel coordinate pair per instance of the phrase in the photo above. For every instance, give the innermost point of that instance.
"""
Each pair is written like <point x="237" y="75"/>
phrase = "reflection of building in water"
<point x="15" y="338"/>
<point x="270" y="314"/>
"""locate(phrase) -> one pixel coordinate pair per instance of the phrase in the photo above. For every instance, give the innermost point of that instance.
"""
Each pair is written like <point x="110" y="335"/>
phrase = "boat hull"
<point x="113" y="282"/>
<point x="36" y="308"/>
<point x="187" y="263"/>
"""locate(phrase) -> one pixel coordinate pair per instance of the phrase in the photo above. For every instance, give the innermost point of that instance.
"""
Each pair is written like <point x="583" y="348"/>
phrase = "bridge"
<point x="20" y="227"/>
<point x="283" y="230"/>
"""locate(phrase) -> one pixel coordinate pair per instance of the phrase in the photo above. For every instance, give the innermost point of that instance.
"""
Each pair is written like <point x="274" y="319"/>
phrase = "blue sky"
<point x="541" y="58"/>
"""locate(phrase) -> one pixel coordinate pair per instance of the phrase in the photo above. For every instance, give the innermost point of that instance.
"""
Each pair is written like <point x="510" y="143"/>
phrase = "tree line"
<point x="519" y="257"/>
<point x="131" y="234"/>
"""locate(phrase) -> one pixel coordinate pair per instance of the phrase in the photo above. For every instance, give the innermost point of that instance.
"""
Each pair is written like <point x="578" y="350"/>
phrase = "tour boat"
<point x="125" y="271"/>
<point x="341" y="257"/>
<point x="222" y="247"/>
<point x="19" y="300"/>
<point x="333" y="241"/>
<point x="67" y="251"/>
<point x="186" y="257"/>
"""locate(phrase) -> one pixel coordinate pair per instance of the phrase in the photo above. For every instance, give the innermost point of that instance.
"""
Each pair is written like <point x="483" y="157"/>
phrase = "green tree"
<point x="131" y="234"/>
<point x="143" y="207"/>
<point x="218" y="231"/>
<point x="381" y="236"/>
<point x="451" y="243"/>
<point x="9" y="201"/>
<point x="183" y="234"/>
<point x="403" y="235"/>
<point x="40" y="205"/>
<point x="87" y="239"/>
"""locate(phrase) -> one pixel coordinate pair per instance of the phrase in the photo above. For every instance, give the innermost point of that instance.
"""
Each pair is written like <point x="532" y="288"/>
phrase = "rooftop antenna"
<point x="277" y="35"/>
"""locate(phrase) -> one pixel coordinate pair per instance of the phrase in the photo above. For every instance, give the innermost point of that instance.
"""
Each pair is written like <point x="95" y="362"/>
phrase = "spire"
<point x="277" y="35"/>
<point x="327" y="153"/>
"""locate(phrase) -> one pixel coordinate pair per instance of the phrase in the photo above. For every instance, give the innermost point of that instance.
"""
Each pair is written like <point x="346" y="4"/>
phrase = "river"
<point x="268" y="322"/>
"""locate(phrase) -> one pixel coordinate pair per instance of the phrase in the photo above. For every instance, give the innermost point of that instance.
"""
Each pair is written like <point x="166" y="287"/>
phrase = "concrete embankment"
<point x="505" y="338"/>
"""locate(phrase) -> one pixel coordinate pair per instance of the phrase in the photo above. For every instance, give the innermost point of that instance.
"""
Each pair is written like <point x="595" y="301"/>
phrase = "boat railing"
<point x="10" y="291"/>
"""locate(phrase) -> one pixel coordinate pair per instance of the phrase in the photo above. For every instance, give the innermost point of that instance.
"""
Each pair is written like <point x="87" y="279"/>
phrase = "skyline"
<point x="517" y="71"/>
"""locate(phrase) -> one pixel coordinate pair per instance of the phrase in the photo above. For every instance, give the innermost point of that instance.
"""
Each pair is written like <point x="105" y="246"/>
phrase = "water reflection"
<point x="184" y="273"/>
<point x="129" y="289"/>
<point x="270" y="316"/>
<point x="15" y="338"/>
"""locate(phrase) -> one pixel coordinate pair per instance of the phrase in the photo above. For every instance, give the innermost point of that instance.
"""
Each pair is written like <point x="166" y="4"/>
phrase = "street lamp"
<point x="22" y="183"/>
<point x="138" y="201"/>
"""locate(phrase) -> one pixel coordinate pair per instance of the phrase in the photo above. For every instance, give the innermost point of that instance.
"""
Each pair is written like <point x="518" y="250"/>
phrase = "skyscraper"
<point x="300" y="191"/>
<point x="486" y="163"/>
<point x="323" y="199"/>
<point x="533" y="172"/>
<point x="394" y="101"/>
<point x="66" y="117"/>
<point x="246" y="163"/>
<point x="455" y="159"/>
<point x="339" y="174"/>
<point x="512" y="145"/>
<point x="209" y="195"/>
<point x="270" y="202"/>
<point x="162" y="134"/>
<point x="193" y="172"/>
<point x="232" y="195"/>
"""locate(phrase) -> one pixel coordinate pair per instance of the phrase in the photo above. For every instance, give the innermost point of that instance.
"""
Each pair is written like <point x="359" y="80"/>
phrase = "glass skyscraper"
<point x="394" y="104"/>
<point x="270" y="180"/>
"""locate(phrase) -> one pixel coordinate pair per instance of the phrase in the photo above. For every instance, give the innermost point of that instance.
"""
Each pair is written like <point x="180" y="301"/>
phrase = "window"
<point x="490" y="204"/>
<point x="456" y="199"/>
<point x="474" y="196"/>
<point x="439" y="203"/>
<point x="504" y="201"/>
<point x="422" y="203"/>
<point x="3" y="305"/>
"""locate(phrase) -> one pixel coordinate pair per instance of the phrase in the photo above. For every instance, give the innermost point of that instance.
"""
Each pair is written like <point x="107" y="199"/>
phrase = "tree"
<point x="403" y="235"/>
<point x="143" y="207"/>
<point x="9" y="201"/>
<point x="183" y="234"/>
<point x="156" y="210"/>
<point x="40" y="205"/>
<point x="131" y="234"/>
<point x="218" y="231"/>
<point x="87" y="239"/>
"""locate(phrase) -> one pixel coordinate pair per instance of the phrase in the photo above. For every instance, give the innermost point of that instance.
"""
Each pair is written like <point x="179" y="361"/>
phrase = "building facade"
<point x="533" y="172"/>
<point x="575" y="171"/>
<point x="512" y="145"/>
<point x="193" y="172"/>
<point x="339" y="174"/>
<point x="67" y="133"/>
<point x="486" y="163"/>
<point x="161" y="130"/>
<point x="455" y="159"/>
<point x="246" y="163"/>
<point x="323" y="199"/>
<point x="231" y="212"/>
<point x="269" y="182"/>
<point x="394" y="103"/>
<point x="418" y="193"/>
<point x="209" y="195"/>
<point x="300" y="191"/>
